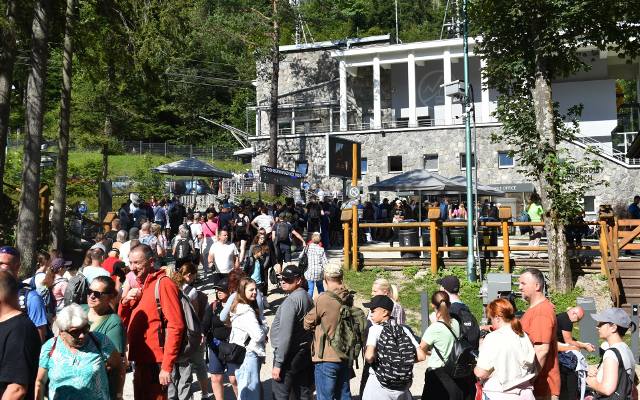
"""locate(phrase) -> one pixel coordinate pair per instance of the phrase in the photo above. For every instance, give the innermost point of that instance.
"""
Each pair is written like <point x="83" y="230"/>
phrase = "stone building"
<point x="389" y="98"/>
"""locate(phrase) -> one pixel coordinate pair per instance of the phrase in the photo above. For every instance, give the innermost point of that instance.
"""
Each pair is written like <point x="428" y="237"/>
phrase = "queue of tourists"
<point x="136" y="306"/>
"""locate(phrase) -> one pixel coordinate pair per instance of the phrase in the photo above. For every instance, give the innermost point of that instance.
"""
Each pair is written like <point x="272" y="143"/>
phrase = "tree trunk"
<point x="7" y="60"/>
<point x="28" y="222"/>
<point x="60" y="202"/>
<point x="559" y="266"/>
<point x="273" y="98"/>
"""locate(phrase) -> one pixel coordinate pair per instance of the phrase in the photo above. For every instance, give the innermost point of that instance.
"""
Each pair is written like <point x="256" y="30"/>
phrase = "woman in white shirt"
<point x="248" y="330"/>
<point x="613" y="323"/>
<point x="507" y="360"/>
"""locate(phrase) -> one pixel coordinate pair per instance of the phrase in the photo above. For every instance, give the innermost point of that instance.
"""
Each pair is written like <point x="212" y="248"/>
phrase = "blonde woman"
<point x="382" y="287"/>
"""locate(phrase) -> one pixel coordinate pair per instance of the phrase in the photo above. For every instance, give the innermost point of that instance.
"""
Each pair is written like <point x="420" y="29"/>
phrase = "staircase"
<point x="628" y="281"/>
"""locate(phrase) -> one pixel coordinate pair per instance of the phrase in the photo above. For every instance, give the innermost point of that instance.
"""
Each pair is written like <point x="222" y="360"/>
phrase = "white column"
<point x="485" y="109"/>
<point x="343" y="95"/>
<point x="293" y="121"/>
<point x="377" y="109"/>
<point x="258" y="121"/>
<point x="330" y="119"/>
<point x="446" y="69"/>
<point x="411" y="82"/>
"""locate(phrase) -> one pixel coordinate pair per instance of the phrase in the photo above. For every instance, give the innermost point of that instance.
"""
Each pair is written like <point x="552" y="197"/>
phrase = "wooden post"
<point x="347" y="258"/>
<point x="604" y="249"/>
<point x="505" y="246"/>
<point x="505" y="216"/>
<point x="354" y="207"/>
<point x="433" y="213"/>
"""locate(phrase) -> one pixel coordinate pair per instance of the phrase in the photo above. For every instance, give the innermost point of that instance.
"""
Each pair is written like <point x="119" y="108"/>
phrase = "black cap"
<point x="450" y="283"/>
<point x="222" y="285"/>
<point x="290" y="272"/>
<point x="380" y="301"/>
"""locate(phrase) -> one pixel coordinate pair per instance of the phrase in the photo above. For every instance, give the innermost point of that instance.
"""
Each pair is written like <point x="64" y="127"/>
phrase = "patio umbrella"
<point x="419" y="180"/>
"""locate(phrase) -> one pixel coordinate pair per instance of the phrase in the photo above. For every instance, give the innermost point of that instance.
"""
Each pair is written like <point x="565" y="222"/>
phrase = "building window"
<point x="463" y="161"/>
<point x="505" y="160"/>
<point x="589" y="204"/>
<point x="363" y="165"/>
<point x="395" y="163"/>
<point x="431" y="162"/>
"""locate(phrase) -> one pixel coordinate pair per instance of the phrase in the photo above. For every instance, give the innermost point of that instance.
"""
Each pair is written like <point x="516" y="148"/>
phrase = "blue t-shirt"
<point x="444" y="211"/>
<point x="80" y="374"/>
<point x="36" y="309"/>
<point x="634" y="211"/>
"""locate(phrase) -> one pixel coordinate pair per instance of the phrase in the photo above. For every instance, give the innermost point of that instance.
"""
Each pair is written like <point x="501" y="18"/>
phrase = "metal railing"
<point x="614" y="154"/>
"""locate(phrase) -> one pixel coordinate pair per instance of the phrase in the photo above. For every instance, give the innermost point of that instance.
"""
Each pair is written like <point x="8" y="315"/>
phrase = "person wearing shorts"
<point x="216" y="331"/>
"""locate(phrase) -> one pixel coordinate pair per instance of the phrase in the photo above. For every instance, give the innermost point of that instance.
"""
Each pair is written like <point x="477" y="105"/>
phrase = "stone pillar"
<point x="446" y="68"/>
<point x="485" y="110"/>
<point x="411" y="82"/>
<point x="343" y="95"/>
<point x="377" y="109"/>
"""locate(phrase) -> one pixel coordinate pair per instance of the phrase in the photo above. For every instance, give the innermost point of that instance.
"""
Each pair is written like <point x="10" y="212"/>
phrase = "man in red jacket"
<point x="154" y="357"/>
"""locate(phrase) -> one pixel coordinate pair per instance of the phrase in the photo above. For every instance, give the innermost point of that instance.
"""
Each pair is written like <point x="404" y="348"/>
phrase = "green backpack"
<point x="349" y="336"/>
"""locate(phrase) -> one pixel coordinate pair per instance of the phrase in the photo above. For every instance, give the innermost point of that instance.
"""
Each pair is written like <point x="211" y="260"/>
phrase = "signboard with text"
<point x="281" y="177"/>
<point x="340" y="157"/>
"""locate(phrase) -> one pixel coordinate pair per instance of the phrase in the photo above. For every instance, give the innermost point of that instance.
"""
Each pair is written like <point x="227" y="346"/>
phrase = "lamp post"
<point x="471" y="270"/>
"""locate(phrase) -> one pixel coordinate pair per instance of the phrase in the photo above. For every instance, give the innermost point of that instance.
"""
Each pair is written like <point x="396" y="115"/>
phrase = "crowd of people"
<point x="136" y="305"/>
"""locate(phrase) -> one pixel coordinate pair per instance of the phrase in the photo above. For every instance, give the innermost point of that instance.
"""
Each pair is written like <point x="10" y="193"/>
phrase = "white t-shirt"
<point x="627" y="359"/>
<point x="196" y="230"/>
<point x="223" y="255"/>
<point x="511" y="357"/>
<point x="264" y="221"/>
<point x="124" y="252"/>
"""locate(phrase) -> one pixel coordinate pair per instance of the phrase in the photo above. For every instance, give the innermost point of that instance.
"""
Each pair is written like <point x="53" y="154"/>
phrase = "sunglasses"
<point x="9" y="250"/>
<point x="75" y="333"/>
<point x="96" y="294"/>
<point x="286" y="280"/>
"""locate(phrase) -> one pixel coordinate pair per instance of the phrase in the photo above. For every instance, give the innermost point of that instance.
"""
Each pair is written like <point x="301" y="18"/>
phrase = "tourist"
<point x="292" y="371"/>
<point x="223" y="255"/>
<point x="209" y="234"/>
<point x="281" y="236"/>
<point x="569" y="381"/>
<point x="634" y="208"/>
<point x="507" y="361"/>
<point x="613" y="324"/>
<point x="316" y="261"/>
<point x="248" y="329"/>
<point x="539" y="322"/>
<point x="241" y="232"/>
<point x="263" y="221"/>
<point x="29" y="300"/>
<point x="59" y="267"/>
<point x="19" y="344"/>
<point x="183" y="247"/>
<point x="79" y="364"/>
<point x="95" y="268"/>
<point x="112" y="234"/>
<point x="125" y="248"/>
<point x="382" y="286"/>
<point x="154" y="360"/>
<point x="535" y="215"/>
<point x="258" y="261"/>
<point x="331" y="372"/>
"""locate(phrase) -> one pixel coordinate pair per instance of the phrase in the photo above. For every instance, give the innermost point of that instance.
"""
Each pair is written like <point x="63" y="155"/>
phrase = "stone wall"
<point x="448" y="143"/>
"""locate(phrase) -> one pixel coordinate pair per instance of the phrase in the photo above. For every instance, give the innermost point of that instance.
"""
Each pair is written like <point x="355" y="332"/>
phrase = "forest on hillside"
<point x="150" y="68"/>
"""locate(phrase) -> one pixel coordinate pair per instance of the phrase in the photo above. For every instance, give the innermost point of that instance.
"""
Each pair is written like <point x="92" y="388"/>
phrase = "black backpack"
<point x="396" y="355"/>
<point x="462" y="358"/>
<point x="625" y="384"/>
<point x="183" y="249"/>
<point x="282" y="232"/>
<point x="77" y="290"/>
<point x="469" y="327"/>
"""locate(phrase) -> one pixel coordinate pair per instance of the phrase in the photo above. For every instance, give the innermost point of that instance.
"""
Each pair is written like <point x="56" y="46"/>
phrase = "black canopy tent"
<point x="191" y="167"/>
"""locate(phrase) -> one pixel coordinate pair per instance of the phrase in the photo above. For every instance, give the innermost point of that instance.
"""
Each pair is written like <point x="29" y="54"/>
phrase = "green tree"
<point x="527" y="44"/>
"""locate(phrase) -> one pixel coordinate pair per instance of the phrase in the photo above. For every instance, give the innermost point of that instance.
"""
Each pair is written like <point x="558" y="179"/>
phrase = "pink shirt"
<point x="209" y="229"/>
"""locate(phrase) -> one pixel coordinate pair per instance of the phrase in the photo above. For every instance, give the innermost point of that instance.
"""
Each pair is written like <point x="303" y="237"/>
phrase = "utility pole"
<point x="471" y="269"/>
<point x="397" y="36"/>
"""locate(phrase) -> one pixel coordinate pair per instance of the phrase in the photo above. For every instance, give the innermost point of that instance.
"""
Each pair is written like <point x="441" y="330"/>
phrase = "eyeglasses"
<point x="75" y="333"/>
<point x="95" y="293"/>
<point x="9" y="250"/>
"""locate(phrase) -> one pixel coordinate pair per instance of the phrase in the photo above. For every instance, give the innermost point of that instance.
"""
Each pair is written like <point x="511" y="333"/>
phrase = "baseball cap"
<point x="58" y="263"/>
<point x="450" y="283"/>
<point x="290" y="272"/>
<point x="333" y="270"/>
<point x="9" y="250"/>
<point x="613" y="315"/>
<point x="381" y="301"/>
<point x="99" y="246"/>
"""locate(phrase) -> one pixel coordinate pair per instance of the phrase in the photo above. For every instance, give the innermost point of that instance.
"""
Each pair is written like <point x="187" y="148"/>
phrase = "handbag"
<point x="303" y="263"/>
<point x="231" y="352"/>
